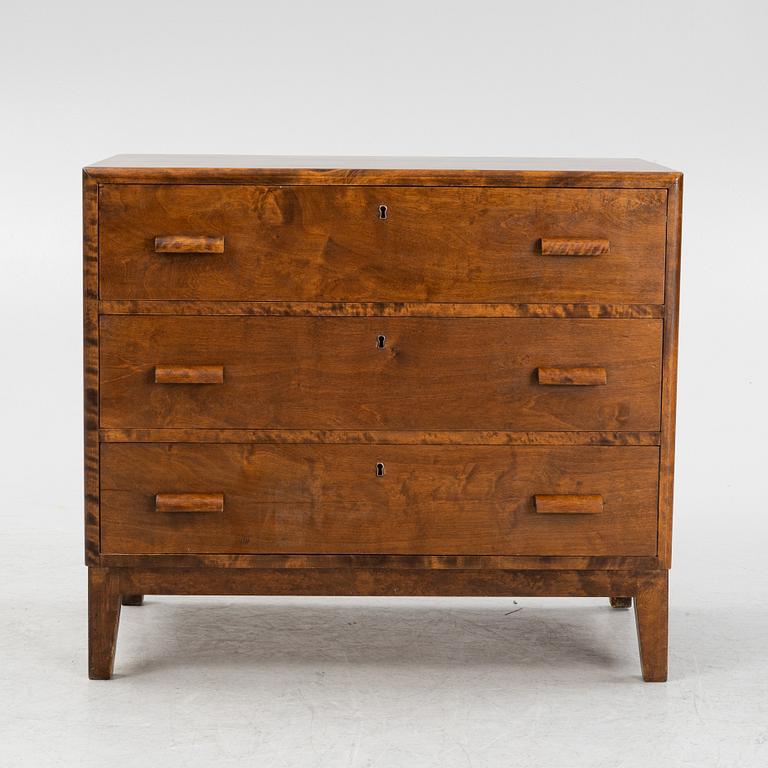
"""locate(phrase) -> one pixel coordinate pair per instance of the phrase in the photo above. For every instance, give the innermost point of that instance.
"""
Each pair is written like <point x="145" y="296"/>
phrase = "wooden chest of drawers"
<point x="367" y="376"/>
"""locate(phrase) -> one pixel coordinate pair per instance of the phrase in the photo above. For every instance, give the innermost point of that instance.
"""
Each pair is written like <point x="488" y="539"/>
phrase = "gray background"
<point x="363" y="682"/>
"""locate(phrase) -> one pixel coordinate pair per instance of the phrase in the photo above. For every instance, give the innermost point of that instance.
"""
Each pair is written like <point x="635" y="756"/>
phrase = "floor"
<point x="370" y="683"/>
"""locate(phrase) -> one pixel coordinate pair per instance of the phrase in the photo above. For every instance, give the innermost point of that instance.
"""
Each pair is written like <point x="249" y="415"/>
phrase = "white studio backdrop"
<point x="680" y="83"/>
<point x="330" y="682"/>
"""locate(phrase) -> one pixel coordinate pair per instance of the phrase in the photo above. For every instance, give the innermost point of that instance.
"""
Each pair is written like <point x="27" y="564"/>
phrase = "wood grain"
<point x="189" y="374"/>
<point x="576" y="179"/>
<point x="379" y="309"/>
<point x="573" y="246"/>
<point x="398" y="171"/>
<point x="369" y="581"/>
<point x="91" y="367"/>
<point x="382" y="437"/>
<point x="189" y="502"/>
<point x="633" y="168"/>
<point x="381" y="582"/>
<point x="452" y="406"/>
<point x="669" y="375"/>
<point x="323" y="243"/>
<point x="568" y="504"/>
<point x="388" y="562"/>
<point x="579" y="376"/>
<point x="651" y="618"/>
<point x="103" y="619"/>
<point x="327" y="373"/>
<point x="188" y="244"/>
<point x="295" y="499"/>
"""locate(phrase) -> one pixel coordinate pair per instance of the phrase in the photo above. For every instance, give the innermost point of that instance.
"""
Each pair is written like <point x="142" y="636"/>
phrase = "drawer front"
<point x="255" y="243"/>
<point x="379" y="373"/>
<point x="416" y="499"/>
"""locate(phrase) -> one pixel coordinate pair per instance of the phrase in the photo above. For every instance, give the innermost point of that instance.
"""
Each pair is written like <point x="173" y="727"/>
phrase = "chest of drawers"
<point x="362" y="376"/>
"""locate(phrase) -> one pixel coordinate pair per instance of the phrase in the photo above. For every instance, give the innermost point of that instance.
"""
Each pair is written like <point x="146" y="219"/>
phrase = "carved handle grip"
<point x="573" y="246"/>
<point x="195" y="374"/>
<point x="188" y="244"/>
<point x="568" y="504"/>
<point x="572" y="377"/>
<point x="189" y="502"/>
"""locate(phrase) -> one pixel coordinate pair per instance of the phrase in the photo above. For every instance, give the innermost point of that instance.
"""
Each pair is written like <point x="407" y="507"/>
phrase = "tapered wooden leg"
<point x="133" y="599"/>
<point x="651" y="616"/>
<point x="103" y="619"/>
<point x="621" y="602"/>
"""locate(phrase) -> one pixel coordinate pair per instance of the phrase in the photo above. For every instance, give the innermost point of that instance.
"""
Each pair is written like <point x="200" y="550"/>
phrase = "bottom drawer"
<point x="378" y="499"/>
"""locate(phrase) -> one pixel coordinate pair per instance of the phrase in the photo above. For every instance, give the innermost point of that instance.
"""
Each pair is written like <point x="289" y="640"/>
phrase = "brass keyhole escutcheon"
<point x="379" y="470"/>
<point x="381" y="341"/>
<point x="382" y="211"/>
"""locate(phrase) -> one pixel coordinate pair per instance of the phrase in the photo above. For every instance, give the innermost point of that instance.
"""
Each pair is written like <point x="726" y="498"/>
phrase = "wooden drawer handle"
<point x="572" y="377"/>
<point x="568" y="504"/>
<point x="196" y="374"/>
<point x="189" y="502"/>
<point x="573" y="246"/>
<point x="188" y="244"/>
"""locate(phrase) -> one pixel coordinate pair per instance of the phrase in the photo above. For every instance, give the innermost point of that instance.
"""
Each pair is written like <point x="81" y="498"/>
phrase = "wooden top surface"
<point x="382" y="171"/>
<point x="298" y="162"/>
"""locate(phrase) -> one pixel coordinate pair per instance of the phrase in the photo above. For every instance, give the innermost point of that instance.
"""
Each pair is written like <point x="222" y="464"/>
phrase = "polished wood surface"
<point x="568" y="504"/>
<point x="375" y="582"/>
<point x="189" y="374"/>
<point x="103" y="620"/>
<point x="329" y="499"/>
<point x="329" y="373"/>
<point x="669" y="377"/>
<point x="563" y="246"/>
<point x="651" y="619"/>
<point x="380" y="309"/>
<point x="321" y="243"/>
<point x="416" y="171"/>
<point x="423" y="368"/>
<point x="383" y="582"/>
<point x="379" y="437"/>
<point x="221" y="163"/>
<point x="196" y="560"/>
<point x="188" y="244"/>
<point x="579" y="376"/>
<point x="91" y="368"/>
<point x="189" y="502"/>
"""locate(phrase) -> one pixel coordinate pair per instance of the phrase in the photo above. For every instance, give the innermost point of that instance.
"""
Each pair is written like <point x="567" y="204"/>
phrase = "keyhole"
<point x="381" y="341"/>
<point x="382" y="211"/>
<point x="379" y="470"/>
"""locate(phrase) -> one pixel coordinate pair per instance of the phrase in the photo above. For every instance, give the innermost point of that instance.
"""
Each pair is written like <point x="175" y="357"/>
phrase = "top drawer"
<point x="346" y="243"/>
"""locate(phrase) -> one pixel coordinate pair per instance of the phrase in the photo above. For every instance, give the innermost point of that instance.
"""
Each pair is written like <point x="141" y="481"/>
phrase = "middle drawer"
<point x="379" y="373"/>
